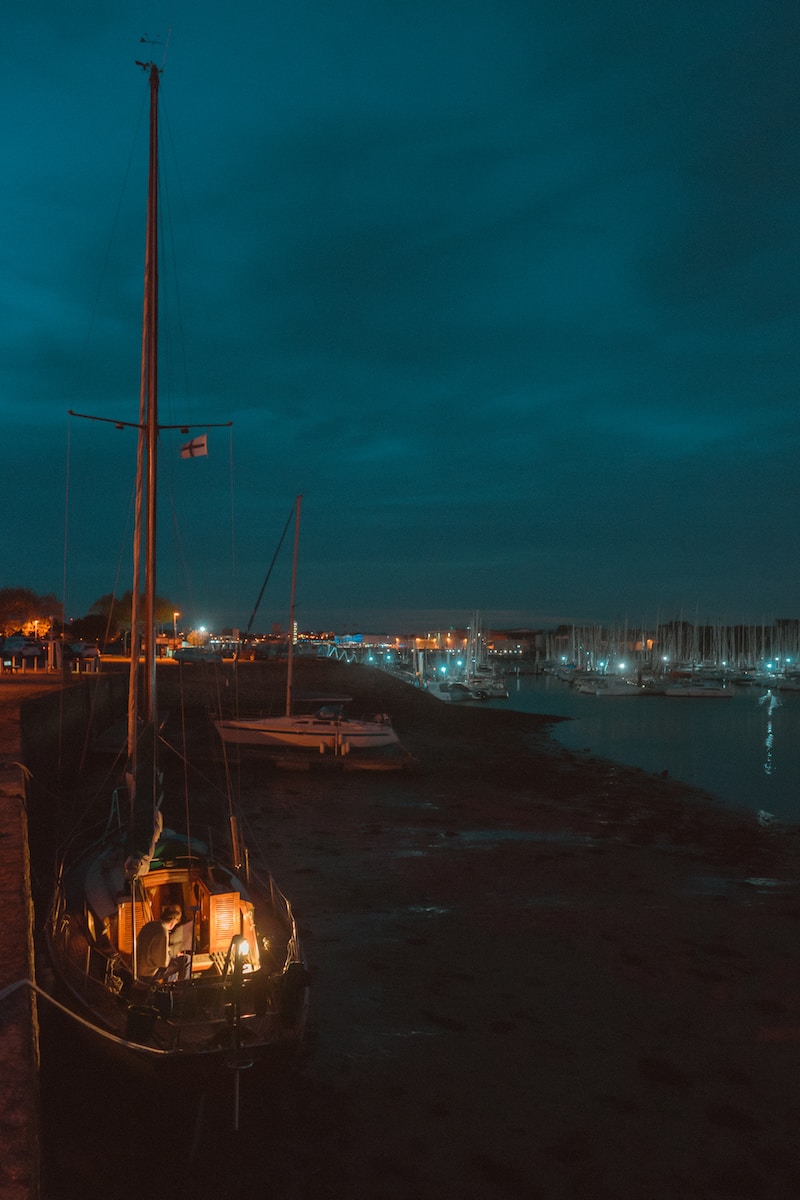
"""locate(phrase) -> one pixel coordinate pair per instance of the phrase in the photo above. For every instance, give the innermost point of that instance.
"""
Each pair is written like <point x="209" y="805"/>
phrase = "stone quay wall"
<point x="44" y="725"/>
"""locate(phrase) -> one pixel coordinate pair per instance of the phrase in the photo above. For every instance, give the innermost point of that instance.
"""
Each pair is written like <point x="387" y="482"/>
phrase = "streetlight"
<point x="175" y="616"/>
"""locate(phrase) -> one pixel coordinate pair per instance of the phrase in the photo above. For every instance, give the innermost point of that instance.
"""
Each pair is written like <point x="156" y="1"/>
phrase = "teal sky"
<point x="509" y="292"/>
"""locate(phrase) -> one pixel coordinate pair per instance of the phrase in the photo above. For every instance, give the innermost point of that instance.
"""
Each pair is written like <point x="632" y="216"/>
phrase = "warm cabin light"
<point x="240" y="950"/>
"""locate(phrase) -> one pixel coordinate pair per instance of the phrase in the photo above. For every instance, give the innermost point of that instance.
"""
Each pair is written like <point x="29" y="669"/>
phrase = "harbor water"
<point x="744" y="750"/>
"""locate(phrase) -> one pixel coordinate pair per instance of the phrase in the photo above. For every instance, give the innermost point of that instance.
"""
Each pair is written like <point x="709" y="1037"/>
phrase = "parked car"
<point x="85" y="651"/>
<point x="18" y="646"/>
<point x="194" y="654"/>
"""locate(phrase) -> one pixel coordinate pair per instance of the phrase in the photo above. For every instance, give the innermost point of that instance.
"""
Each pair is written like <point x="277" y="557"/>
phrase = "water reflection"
<point x="718" y="746"/>
<point x="771" y="702"/>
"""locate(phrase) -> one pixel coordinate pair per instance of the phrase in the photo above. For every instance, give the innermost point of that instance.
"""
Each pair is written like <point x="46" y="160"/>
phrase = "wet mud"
<point x="535" y="974"/>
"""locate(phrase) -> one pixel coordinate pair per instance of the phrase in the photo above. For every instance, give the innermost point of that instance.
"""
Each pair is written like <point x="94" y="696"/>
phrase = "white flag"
<point x="196" y="448"/>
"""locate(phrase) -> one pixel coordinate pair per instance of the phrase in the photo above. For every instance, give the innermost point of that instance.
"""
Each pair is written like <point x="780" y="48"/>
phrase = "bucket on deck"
<point x="141" y="1023"/>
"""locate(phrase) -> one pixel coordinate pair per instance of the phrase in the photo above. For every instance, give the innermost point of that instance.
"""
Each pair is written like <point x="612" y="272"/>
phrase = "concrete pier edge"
<point x="44" y="720"/>
<point x="19" y="1028"/>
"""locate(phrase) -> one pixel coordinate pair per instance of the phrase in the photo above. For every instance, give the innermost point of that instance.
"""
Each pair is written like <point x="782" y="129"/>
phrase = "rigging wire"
<point x="112" y="239"/>
<point x="59" y="759"/>
<point x="269" y="571"/>
<point x="176" y="374"/>
<point x="234" y="601"/>
<point x="185" y="759"/>
<point x="226" y="761"/>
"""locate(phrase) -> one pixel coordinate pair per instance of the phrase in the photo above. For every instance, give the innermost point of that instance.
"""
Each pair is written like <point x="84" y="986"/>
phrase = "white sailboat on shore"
<point x="328" y="729"/>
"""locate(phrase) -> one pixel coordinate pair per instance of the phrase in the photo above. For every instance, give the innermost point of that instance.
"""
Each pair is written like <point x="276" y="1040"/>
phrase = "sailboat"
<point x="478" y="681"/>
<point x="326" y="729"/>
<point x="228" y="982"/>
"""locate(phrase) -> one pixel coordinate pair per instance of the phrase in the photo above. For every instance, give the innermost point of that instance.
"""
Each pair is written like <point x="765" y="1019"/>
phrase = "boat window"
<point x="223" y="920"/>
<point x="125" y="917"/>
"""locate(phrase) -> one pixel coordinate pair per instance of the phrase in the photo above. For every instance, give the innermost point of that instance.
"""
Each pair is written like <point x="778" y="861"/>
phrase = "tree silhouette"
<point x="116" y="612"/>
<point x="21" y="610"/>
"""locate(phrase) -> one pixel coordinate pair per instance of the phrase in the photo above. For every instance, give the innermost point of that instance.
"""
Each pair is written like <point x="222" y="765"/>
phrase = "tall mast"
<point x="144" y="615"/>
<point x="150" y="370"/>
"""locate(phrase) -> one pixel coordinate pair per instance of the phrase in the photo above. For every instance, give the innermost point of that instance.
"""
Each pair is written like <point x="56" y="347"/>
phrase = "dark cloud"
<point x="509" y="295"/>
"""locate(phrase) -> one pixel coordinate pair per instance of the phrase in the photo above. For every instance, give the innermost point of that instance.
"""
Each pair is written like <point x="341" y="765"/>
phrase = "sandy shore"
<point x="534" y="975"/>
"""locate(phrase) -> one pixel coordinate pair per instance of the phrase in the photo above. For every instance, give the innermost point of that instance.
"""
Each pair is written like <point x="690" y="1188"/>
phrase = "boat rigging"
<point x="234" y="987"/>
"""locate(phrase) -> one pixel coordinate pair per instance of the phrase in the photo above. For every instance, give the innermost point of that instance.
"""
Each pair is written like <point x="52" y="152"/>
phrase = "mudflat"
<point x="535" y="974"/>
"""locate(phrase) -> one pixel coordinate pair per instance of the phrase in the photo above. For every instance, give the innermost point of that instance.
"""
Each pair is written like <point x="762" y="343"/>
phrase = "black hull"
<point x="224" y="1009"/>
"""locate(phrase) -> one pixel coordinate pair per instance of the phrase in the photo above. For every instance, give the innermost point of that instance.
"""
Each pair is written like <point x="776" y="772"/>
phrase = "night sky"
<point x="509" y="292"/>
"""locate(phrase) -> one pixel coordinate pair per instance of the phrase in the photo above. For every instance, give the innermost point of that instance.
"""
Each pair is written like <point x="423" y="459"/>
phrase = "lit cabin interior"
<point x="211" y="918"/>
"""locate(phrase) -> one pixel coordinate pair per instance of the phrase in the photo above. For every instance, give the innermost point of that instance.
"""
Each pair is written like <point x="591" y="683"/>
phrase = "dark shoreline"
<point x="510" y="750"/>
<point x="535" y="974"/>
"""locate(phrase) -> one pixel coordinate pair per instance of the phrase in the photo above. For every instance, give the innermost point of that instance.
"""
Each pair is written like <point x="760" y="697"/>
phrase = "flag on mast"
<point x="196" y="448"/>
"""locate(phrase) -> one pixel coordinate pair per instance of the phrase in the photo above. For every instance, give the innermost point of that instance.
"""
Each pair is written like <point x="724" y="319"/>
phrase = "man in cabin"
<point x="153" y="959"/>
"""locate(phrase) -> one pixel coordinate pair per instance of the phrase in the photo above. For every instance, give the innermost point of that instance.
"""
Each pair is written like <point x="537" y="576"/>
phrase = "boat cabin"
<point x="213" y="916"/>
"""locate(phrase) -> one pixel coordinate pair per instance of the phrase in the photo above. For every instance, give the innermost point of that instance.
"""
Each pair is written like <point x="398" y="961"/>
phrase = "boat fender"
<point x="164" y="1003"/>
<point x="264" y="994"/>
<point x="293" y="986"/>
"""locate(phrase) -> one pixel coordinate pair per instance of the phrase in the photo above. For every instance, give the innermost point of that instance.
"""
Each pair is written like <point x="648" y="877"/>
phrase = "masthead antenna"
<point x="146" y="41"/>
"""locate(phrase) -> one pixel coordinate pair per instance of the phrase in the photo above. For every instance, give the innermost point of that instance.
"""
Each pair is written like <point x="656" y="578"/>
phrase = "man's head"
<point x="171" y="915"/>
